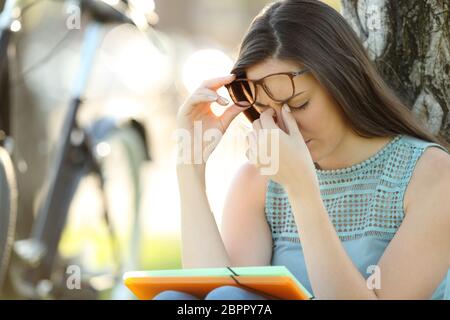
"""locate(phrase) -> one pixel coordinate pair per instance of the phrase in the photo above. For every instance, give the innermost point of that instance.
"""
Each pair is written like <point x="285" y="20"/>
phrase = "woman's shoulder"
<point x="249" y="180"/>
<point x="433" y="165"/>
<point x="251" y="175"/>
<point x="431" y="159"/>
<point x="247" y="192"/>
<point x="419" y="144"/>
<point x="432" y="169"/>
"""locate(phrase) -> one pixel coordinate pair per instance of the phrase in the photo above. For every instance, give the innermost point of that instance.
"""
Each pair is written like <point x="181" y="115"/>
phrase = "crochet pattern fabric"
<point x="364" y="203"/>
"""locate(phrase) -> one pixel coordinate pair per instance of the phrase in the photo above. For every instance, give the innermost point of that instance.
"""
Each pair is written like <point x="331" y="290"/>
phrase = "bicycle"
<point x="33" y="266"/>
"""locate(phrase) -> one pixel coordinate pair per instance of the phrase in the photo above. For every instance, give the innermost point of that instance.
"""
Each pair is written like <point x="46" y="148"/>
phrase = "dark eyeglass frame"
<point x="260" y="82"/>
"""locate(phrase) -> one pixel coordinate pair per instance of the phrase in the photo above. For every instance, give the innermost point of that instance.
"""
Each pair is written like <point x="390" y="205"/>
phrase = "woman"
<point x="359" y="205"/>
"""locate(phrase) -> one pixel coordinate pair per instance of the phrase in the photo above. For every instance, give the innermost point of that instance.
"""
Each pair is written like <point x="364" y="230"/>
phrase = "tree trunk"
<point x="409" y="41"/>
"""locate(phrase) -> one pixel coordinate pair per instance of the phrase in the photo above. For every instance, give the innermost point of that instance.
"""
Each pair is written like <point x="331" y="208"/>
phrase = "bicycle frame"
<point x="35" y="257"/>
<point x="5" y="36"/>
<point x="73" y="160"/>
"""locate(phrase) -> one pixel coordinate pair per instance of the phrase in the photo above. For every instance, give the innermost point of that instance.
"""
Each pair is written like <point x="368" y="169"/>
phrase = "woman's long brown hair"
<point x="316" y="36"/>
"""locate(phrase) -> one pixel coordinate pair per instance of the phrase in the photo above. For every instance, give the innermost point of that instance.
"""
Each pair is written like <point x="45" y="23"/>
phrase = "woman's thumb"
<point x="231" y="113"/>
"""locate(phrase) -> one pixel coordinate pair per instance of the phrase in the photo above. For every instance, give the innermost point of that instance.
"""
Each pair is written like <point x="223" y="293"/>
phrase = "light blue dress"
<point x="364" y="203"/>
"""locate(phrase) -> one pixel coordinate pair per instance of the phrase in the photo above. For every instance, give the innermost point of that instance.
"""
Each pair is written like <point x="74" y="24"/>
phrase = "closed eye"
<point x="260" y="105"/>
<point x="302" y="106"/>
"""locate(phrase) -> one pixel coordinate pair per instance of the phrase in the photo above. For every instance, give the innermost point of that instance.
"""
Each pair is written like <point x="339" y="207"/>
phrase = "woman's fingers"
<point x="201" y="98"/>
<point x="252" y="149"/>
<point x="216" y="83"/>
<point x="229" y="114"/>
<point x="206" y="95"/>
<point x="289" y="121"/>
<point x="211" y="93"/>
<point x="256" y="125"/>
<point x="207" y="92"/>
<point x="267" y="121"/>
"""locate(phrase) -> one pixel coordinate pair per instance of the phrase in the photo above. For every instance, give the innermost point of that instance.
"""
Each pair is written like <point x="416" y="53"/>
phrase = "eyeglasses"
<point x="244" y="92"/>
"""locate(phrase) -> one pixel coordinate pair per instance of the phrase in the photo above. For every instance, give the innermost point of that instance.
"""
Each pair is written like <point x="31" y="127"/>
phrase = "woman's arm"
<point x="415" y="261"/>
<point x="245" y="239"/>
<point x="330" y="270"/>
<point x="202" y="246"/>
<point x="245" y="230"/>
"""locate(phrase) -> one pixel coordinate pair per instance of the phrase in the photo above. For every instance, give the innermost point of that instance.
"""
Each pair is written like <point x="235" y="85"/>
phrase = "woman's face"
<point x="319" y="120"/>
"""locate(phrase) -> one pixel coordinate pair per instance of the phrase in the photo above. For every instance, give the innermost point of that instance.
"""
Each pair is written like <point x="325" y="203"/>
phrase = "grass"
<point x="158" y="251"/>
<point x="161" y="252"/>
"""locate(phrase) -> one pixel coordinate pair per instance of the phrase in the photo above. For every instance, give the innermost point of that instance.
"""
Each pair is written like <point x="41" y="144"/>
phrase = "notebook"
<point x="273" y="282"/>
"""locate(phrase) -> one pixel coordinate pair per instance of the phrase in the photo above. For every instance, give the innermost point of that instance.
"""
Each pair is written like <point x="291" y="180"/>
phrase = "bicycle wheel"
<point x="107" y="247"/>
<point x="8" y="210"/>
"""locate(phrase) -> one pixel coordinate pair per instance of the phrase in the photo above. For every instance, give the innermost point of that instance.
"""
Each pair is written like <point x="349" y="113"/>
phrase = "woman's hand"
<point x="196" y="119"/>
<point x="294" y="168"/>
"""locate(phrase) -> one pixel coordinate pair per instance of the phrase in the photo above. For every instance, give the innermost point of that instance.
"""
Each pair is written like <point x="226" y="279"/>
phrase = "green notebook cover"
<point x="208" y="272"/>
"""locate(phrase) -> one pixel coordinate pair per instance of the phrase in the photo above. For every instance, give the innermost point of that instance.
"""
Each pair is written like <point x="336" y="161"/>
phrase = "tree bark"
<point x="409" y="42"/>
